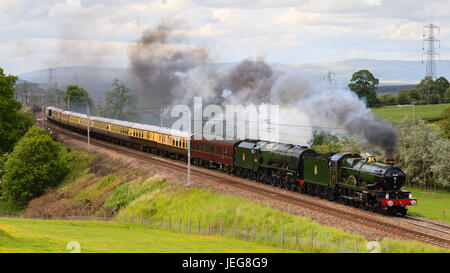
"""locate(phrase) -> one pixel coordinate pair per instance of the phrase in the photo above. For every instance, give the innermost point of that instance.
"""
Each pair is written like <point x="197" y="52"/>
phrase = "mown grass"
<point x="430" y="204"/>
<point x="211" y="208"/>
<point x="395" y="113"/>
<point x="24" y="235"/>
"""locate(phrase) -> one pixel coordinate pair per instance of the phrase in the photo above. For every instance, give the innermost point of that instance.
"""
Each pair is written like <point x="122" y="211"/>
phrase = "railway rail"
<point x="429" y="224"/>
<point x="360" y="217"/>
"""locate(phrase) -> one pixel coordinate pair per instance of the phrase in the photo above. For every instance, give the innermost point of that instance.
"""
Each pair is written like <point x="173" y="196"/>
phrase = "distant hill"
<point x="393" y="89"/>
<point x="97" y="80"/>
<point x="393" y="75"/>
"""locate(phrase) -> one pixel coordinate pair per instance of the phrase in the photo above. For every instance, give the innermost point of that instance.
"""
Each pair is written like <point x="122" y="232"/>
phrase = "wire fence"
<point x="300" y="240"/>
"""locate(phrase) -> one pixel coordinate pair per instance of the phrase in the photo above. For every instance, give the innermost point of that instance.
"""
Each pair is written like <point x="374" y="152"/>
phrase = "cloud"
<point x="407" y="31"/>
<point x="284" y="31"/>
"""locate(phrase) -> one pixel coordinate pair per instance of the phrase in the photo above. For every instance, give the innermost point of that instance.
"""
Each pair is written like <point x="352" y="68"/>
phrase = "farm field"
<point x="24" y="235"/>
<point x="395" y="113"/>
<point x="430" y="204"/>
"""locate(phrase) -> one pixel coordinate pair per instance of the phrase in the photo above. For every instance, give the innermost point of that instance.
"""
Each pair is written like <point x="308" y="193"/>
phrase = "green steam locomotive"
<point x="344" y="177"/>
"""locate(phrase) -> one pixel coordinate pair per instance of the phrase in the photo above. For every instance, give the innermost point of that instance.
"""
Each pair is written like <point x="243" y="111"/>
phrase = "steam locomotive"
<point x="347" y="178"/>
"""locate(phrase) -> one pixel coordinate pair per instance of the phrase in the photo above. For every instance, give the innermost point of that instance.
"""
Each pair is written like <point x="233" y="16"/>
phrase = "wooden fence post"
<point x="327" y="239"/>
<point x="340" y="248"/>
<point x="312" y="238"/>
<point x="282" y="236"/>
<point x="253" y="232"/>
<point x="221" y="230"/>
<point x="160" y="222"/>
<point x="245" y="233"/>
<point x="296" y="237"/>
<point x="356" y="246"/>
<point x="124" y="217"/>
<point x="170" y="222"/>
<point x="142" y="218"/>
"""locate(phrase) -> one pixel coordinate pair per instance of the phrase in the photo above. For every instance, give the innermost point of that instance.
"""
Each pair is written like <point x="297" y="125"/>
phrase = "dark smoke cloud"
<point x="158" y="57"/>
<point x="250" y="80"/>
<point x="337" y="111"/>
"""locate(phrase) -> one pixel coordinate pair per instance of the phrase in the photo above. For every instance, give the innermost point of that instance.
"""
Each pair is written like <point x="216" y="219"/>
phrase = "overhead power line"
<point x="430" y="53"/>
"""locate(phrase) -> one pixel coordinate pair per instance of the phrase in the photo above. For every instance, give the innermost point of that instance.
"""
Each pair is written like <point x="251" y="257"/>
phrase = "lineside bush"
<point x="36" y="163"/>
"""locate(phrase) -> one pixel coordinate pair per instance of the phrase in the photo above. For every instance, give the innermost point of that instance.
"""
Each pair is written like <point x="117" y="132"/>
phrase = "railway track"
<point x="442" y="228"/>
<point x="364" y="218"/>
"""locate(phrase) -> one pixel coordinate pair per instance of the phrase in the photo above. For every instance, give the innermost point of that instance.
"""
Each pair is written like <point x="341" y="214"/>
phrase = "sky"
<point x="50" y="33"/>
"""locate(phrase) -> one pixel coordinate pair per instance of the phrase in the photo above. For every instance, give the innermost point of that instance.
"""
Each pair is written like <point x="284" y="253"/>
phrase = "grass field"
<point x="420" y="111"/>
<point x="21" y="235"/>
<point x="430" y="203"/>
<point x="106" y="183"/>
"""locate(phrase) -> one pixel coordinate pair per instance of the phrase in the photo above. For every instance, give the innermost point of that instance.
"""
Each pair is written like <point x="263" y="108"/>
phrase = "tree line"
<point x="428" y="91"/>
<point x="30" y="160"/>
<point x="120" y="102"/>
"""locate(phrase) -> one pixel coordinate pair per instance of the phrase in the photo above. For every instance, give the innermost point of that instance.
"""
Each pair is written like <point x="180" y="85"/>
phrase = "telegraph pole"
<point x="329" y="77"/>
<point x="162" y="114"/>
<point x="430" y="53"/>
<point x="88" y="127"/>
<point x="189" y="154"/>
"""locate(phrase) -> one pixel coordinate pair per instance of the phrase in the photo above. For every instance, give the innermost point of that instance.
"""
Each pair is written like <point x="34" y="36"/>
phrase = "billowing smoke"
<point x="158" y="59"/>
<point x="179" y="74"/>
<point x="338" y="111"/>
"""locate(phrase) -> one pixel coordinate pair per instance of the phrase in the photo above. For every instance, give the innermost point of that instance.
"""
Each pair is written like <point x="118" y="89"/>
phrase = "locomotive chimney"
<point x="390" y="161"/>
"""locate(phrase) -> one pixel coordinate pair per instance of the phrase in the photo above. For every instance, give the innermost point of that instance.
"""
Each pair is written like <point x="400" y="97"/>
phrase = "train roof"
<point x="283" y="148"/>
<point x="221" y="140"/>
<point x="338" y="156"/>
<point x="134" y="125"/>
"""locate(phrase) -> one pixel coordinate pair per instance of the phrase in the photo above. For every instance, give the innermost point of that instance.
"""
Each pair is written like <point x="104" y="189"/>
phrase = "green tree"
<point x="403" y="97"/>
<point x="413" y="95"/>
<point x="76" y="98"/>
<point x="119" y="103"/>
<point x="388" y="99"/>
<point x="428" y="92"/>
<point x="13" y="123"/>
<point x="364" y="84"/>
<point x="36" y="164"/>
<point x="447" y="95"/>
<point x="423" y="154"/>
<point x="445" y="122"/>
<point x="442" y="85"/>
<point x="3" y="159"/>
